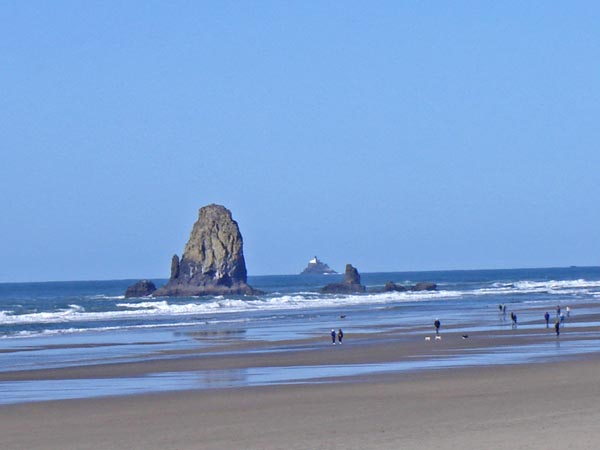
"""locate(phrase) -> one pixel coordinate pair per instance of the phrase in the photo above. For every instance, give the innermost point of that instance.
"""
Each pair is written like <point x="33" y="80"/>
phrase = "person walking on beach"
<point x="333" y="336"/>
<point x="547" y="317"/>
<point x="557" y="310"/>
<point x="568" y="311"/>
<point x="557" y="328"/>
<point x="513" y="317"/>
<point x="340" y="335"/>
<point x="437" y="325"/>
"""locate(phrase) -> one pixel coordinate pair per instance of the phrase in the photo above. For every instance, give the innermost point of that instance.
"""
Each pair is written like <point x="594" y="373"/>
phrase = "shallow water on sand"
<point x="59" y="325"/>
<point x="12" y="392"/>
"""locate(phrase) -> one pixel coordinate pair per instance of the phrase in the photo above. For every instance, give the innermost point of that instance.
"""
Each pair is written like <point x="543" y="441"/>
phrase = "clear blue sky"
<point x="391" y="135"/>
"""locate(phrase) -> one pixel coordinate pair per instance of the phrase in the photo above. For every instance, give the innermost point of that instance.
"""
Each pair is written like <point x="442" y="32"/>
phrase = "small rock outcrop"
<point x="390" y="286"/>
<point x="423" y="286"/>
<point x="142" y="288"/>
<point x="350" y="285"/>
<point x="316" y="267"/>
<point x="213" y="259"/>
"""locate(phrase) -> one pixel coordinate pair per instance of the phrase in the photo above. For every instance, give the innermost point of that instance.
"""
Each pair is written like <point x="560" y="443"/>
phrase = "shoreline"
<point x="383" y="343"/>
<point x="309" y="361"/>
<point x="500" y="388"/>
<point x="383" y="347"/>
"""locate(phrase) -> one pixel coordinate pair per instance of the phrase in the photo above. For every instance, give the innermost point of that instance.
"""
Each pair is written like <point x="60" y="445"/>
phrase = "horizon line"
<point x="297" y="274"/>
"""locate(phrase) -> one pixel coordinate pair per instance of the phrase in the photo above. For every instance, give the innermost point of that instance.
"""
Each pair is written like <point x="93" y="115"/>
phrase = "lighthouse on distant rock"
<point x="316" y="267"/>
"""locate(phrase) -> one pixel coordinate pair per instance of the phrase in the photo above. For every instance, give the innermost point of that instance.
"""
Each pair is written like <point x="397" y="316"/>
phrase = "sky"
<point x="396" y="136"/>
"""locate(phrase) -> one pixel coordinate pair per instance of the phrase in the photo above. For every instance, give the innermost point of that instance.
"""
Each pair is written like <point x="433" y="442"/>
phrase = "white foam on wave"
<point x="62" y="315"/>
<point x="141" y="305"/>
<point x="558" y="287"/>
<point x="76" y="308"/>
<point x="106" y="297"/>
<point x="163" y="308"/>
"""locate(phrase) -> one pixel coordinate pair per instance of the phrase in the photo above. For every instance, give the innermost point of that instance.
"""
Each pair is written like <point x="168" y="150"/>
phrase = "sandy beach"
<point x="524" y="406"/>
<point x="483" y="385"/>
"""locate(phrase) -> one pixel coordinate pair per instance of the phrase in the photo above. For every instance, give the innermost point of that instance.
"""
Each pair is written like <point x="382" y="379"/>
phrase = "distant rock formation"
<point x="423" y="286"/>
<point x="390" y="286"/>
<point x="142" y="288"/>
<point x="213" y="260"/>
<point x="350" y="285"/>
<point x="316" y="267"/>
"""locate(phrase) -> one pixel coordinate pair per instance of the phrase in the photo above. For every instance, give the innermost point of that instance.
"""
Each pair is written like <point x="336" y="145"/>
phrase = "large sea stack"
<point x="213" y="259"/>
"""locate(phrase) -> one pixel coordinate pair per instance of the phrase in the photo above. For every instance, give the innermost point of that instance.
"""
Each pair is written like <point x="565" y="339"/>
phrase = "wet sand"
<point x="366" y="348"/>
<point x="533" y="406"/>
<point x="552" y="404"/>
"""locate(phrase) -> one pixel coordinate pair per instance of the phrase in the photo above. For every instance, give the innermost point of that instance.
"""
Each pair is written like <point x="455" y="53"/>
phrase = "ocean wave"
<point x="149" y="309"/>
<point x="552" y="287"/>
<point x="105" y="297"/>
<point x="561" y="284"/>
<point x="164" y="308"/>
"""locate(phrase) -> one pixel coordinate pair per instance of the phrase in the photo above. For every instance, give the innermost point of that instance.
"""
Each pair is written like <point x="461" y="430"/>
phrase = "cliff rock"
<point x="350" y="285"/>
<point x="142" y="288"/>
<point x="213" y="259"/>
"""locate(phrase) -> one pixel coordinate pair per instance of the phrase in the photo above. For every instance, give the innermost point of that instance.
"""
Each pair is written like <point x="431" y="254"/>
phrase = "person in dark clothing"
<point x="557" y="310"/>
<point x="437" y="325"/>
<point x="340" y="335"/>
<point x="557" y="327"/>
<point x="333" y="336"/>
<point x="513" y="317"/>
<point x="547" y="317"/>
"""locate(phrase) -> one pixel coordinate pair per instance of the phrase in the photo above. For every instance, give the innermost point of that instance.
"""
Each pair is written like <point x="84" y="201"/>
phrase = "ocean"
<point x="32" y="310"/>
<point x="47" y="325"/>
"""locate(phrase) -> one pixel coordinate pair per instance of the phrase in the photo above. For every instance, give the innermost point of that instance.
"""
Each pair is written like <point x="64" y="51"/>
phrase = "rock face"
<point x="142" y="288"/>
<point x="174" y="267"/>
<point x="316" y="267"/>
<point x="213" y="259"/>
<point x="351" y="283"/>
<point x="423" y="286"/>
